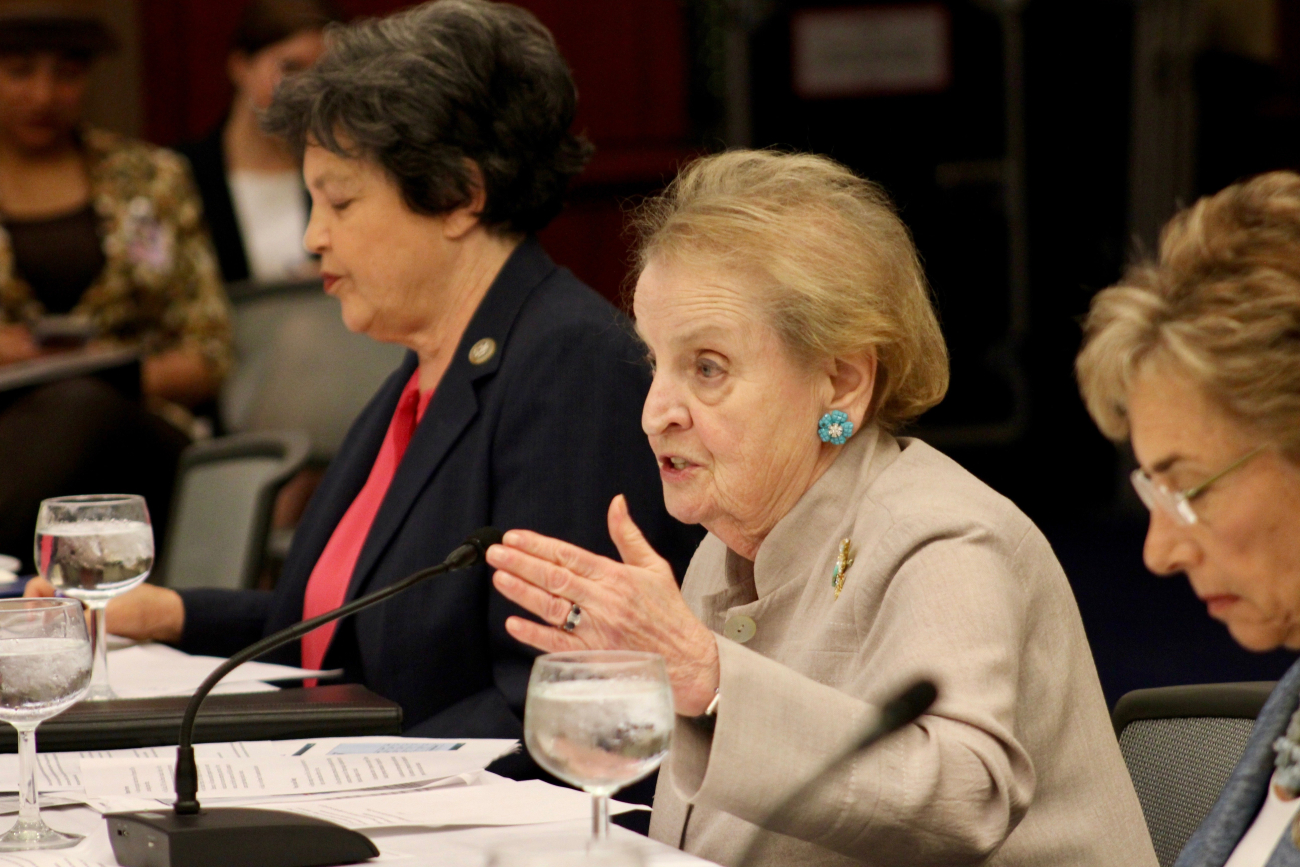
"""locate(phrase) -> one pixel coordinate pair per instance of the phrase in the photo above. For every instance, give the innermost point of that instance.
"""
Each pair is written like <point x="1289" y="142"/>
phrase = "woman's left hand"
<point x="633" y="605"/>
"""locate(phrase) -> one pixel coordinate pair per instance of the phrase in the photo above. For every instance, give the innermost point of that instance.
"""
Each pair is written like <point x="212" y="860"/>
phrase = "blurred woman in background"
<point x="1195" y="359"/>
<point x="253" y="196"/>
<point x="103" y="241"/>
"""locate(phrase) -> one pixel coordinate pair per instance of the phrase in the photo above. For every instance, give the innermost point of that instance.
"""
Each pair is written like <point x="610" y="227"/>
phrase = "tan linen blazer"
<point x="1016" y="763"/>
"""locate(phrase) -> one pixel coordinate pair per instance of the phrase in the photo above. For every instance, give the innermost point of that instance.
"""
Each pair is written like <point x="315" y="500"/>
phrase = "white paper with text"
<point x="242" y="778"/>
<point x="530" y="802"/>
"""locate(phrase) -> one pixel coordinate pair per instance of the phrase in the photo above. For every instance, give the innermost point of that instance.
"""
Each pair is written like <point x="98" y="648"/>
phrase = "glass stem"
<point x="29" y="807"/>
<point x="599" y="818"/>
<point x="99" y="687"/>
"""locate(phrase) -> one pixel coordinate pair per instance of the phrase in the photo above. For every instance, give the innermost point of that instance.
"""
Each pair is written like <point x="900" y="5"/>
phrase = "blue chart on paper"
<point x="413" y="747"/>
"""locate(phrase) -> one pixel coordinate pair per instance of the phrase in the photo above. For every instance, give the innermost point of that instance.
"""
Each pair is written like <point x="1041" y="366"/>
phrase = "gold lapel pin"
<point x="842" y="564"/>
<point x="482" y="352"/>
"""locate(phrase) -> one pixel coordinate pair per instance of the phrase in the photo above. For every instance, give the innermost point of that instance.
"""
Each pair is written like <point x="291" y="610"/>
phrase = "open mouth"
<point x="674" y="463"/>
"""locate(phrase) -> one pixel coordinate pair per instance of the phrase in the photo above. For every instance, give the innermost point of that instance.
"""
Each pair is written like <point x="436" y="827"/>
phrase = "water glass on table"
<point x="599" y="720"/>
<point x="44" y="670"/>
<point x="93" y="548"/>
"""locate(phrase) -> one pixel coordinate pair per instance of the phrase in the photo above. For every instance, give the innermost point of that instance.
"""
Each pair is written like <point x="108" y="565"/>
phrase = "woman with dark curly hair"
<point x="434" y="144"/>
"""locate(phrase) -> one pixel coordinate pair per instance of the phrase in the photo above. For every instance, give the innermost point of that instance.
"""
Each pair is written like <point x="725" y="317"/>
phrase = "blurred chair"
<point x="221" y="511"/>
<point x="297" y="367"/>
<point x="1180" y="744"/>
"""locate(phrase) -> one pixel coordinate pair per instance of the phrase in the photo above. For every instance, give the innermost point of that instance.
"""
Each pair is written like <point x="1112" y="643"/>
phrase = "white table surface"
<point x="462" y="847"/>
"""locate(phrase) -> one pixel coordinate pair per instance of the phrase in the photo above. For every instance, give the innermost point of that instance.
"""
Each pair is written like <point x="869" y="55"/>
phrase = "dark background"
<point x="656" y="88"/>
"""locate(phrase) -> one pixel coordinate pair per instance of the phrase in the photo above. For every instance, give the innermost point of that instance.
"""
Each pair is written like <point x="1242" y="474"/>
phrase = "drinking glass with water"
<point x="599" y="720"/>
<point x="92" y="548"/>
<point x="44" y="670"/>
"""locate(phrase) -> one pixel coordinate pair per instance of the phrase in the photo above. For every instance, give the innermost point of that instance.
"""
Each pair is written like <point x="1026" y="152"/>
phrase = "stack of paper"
<point x="253" y="771"/>
<point x="150" y="670"/>
<point x="362" y="782"/>
<point x="531" y="802"/>
<point x="301" y="768"/>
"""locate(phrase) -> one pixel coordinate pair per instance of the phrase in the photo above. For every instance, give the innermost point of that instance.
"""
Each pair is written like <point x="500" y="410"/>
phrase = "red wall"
<point x="628" y="57"/>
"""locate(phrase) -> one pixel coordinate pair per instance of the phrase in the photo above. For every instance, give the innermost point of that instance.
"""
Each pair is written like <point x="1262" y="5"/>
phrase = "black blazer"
<point x="208" y="163"/>
<point x="542" y="435"/>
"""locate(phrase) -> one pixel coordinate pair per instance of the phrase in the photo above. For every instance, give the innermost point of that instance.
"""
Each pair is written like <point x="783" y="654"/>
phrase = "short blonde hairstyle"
<point x="826" y="256"/>
<point x="1221" y="305"/>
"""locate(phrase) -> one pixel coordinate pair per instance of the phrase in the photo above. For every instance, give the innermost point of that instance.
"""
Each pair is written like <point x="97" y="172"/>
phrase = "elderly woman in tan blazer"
<point x="789" y="323"/>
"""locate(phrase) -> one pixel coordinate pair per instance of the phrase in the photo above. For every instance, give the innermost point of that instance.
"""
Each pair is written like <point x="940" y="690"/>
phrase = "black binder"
<point x="341" y="710"/>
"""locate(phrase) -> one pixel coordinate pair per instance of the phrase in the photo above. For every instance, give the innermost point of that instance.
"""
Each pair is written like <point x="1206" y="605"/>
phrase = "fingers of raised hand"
<point x="543" y="637"/>
<point x="547" y="575"/>
<point x="551" y="608"/>
<point x="577" y="560"/>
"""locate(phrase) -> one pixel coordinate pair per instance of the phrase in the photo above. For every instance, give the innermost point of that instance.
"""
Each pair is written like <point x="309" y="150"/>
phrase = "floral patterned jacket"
<point x="160" y="287"/>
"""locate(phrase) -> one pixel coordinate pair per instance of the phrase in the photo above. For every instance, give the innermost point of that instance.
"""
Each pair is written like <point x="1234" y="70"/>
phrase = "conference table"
<point x="135" y="667"/>
<point x="458" y="847"/>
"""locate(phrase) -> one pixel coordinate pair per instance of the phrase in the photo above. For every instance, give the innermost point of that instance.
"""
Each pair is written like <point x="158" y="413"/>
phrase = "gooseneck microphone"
<point x="241" y="837"/>
<point x="894" y="714"/>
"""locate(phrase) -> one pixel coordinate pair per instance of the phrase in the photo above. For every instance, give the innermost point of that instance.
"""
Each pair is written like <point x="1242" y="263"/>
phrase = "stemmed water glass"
<point x="93" y="548"/>
<point x="44" y="670"/>
<point x="599" y="720"/>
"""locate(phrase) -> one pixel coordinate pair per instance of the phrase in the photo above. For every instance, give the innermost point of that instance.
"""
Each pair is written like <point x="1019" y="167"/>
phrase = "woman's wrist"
<point x="148" y="613"/>
<point x="697" y="683"/>
<point x="171" y="625"/>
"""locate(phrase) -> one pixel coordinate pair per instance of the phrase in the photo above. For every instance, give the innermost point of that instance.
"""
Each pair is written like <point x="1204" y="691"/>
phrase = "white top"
<point x="1273" y="820"/>
<point x="271" y="209"/>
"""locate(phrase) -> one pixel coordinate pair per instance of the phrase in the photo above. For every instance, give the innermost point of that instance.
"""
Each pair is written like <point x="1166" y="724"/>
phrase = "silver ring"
<point x="575" y="615"/>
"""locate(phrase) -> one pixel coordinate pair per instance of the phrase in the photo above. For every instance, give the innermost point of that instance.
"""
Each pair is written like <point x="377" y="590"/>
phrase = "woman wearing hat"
<point x="105" y="233"/>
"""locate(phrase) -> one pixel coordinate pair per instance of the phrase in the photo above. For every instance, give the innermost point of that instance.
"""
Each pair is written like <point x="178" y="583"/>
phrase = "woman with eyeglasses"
<point x="1195" y="359"/>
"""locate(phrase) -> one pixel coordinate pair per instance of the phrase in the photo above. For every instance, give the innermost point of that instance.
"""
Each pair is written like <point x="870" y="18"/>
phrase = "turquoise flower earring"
<point x="835" y="428"/>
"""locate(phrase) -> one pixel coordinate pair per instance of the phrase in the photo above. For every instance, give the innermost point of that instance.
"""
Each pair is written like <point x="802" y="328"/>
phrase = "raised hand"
<point x="632" y="605"/>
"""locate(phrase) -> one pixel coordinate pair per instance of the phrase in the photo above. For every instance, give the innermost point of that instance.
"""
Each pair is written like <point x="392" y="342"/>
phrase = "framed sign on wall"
<point x="871" y="50"/>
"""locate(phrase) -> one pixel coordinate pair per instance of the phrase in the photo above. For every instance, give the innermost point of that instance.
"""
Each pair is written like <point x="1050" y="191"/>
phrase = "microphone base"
<point x="233" y="837"/>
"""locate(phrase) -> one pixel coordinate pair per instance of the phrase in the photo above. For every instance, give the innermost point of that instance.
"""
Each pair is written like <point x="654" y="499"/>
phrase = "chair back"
<point x="221" y="511"/>
<point x="297" y="367"/>
<point x="1180" y="744"/>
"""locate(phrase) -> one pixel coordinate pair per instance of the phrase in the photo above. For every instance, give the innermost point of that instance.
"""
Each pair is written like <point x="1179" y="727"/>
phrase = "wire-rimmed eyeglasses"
<point x="1178" y="504"/>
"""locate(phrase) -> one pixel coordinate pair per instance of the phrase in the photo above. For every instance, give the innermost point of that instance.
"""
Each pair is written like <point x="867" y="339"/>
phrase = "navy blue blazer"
<point x="541" y="435"/>
<point x="1246" y="789"/>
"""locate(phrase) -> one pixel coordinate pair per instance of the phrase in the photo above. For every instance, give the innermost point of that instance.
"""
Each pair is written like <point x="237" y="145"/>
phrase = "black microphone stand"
<point x="894" y="714"/>
<point x="243" y="837"/>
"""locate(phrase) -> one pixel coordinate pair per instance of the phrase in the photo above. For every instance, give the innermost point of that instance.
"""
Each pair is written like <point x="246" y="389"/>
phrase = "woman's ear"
<point x="461" y="221"/>
<point x="853" y="384"/>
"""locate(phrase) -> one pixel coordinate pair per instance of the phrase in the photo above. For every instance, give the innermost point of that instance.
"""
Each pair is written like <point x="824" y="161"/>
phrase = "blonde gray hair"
<point x="1220" y="305"/>
<point x="828" y="259"/>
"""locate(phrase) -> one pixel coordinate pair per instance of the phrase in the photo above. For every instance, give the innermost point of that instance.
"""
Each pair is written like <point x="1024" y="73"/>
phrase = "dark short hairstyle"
<point x="74" y="30"/>
<point x="424" y="91"/>
<point x="266" y="22"/>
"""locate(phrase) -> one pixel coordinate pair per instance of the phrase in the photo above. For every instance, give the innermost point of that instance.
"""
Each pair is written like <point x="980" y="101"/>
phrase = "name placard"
<point x="871" y="50"/>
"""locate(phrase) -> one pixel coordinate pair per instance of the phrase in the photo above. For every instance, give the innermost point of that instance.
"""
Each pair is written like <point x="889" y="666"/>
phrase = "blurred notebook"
<point x="321" y="711"/>
<point x="119" y="367"/>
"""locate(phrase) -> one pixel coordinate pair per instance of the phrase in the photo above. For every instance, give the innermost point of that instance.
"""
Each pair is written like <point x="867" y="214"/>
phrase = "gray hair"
<point x="428" y="91"/>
